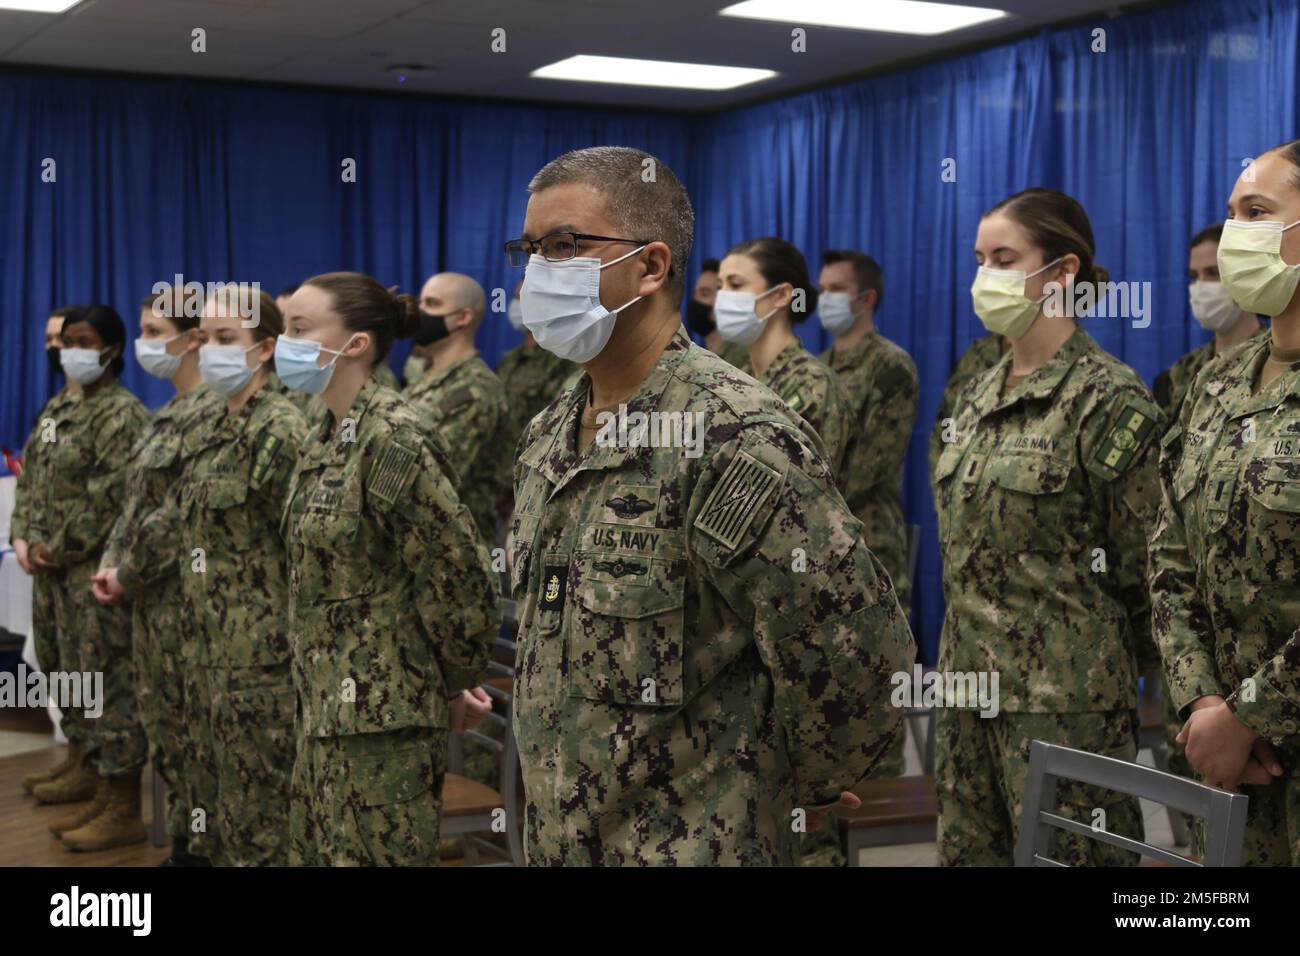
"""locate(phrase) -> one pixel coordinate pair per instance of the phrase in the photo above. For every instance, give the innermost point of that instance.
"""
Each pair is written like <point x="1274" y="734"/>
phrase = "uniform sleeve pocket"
<point x="625" y="640"/>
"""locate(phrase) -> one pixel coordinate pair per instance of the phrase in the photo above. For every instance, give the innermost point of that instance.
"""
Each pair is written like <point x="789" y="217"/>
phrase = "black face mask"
<point x="699" y="317"/>
<point x="52" y="356"/>
<point x="432" y="328"/>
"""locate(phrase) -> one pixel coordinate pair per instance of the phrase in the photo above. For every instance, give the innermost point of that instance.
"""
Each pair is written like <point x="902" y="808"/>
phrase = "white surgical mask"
<point x="1212" y="305"/>
<point x="1251" y="265"/>
<point x="561" y="305"/>
<point x="516" y="314"/>
<point x="225" y="369"/>
<point x="295" y="363"/>
<point x="737" y="321"/>
<point x="82" y="365"/>
<point x="154" y="358"/>
<point x="835" y="310"/>
<point x="998" y="296"/>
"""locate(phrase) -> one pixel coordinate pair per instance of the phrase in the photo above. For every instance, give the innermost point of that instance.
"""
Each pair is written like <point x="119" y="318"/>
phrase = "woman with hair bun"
<point x="393" y="603"/>
<point x="1046" y="494"/>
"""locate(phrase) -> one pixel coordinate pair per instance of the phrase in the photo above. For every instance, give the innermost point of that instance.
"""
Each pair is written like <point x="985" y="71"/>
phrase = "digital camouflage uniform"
<point x="467" y="404"/>
<point x="1171" y="387"/>
<point x="310" y="405"/>
<point x="82" y="487"/>
<point x="1045" y="502"/>
<point x="880" y="382"/>
<point x="680" y="691"/>
<point x="810" y="388"/>
<point x="383" y="375"/>
<point x="237" y="467"/>
<point x="1224" y="568"/>
<point x="734" y="354"/>
<point x="979" y="357"/>
<point x="26" y="522"/>
<point x="531" y="377"/>
<point x="393" y="609"/>
<point x="142" y="546"/>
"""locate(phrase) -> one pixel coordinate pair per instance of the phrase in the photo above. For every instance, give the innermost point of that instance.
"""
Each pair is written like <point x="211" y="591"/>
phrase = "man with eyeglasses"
<point x="705" y="642"/>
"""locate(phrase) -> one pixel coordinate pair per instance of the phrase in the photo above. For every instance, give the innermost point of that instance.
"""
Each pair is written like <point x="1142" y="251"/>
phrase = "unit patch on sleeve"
<point x="735" y="499"/>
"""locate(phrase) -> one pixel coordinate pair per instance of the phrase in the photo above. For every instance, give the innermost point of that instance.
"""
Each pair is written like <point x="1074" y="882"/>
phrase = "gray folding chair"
<point x="921" y="722"/>
<point x="1225" y="813"/>
<point x="469" y="807"/>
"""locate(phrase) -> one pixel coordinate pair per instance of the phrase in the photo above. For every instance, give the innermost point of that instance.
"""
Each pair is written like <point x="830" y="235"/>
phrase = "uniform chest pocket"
<point x="1026" y="502"/>
<point x="519" y="548"/>
<point x="329" y="527"/>
<point x="1274" y="518"/>
<point x="225" y="506"/>
<point x="160" y="455"/>
<point x="625" y="638"/>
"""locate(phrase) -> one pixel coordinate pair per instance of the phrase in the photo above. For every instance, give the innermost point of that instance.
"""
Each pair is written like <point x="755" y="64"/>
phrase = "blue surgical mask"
<point x="835" y="310"/>
<point x="295" y="363"/>
<point x="561" y="302"/>
<point x="516" y="314"/>
<point x="154" y="358"/>
<point x="82" y="365"/>
<point x="225" y="368"/>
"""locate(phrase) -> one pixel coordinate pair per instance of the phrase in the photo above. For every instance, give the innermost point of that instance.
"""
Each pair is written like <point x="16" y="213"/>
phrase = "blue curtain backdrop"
<point x="224" y="182"/>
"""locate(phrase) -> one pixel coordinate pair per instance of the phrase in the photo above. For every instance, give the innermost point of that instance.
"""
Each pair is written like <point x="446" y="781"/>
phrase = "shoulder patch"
<point x="1125" y="437"/>
<point x="392" y="472"/>
<point x="735" y="499"/>
<point x="264" y="458"/>
<point x="456" y="399"/>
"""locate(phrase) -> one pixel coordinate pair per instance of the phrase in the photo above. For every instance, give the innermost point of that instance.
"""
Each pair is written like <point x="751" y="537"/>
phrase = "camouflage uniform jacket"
<point x="466" y="403"/>
<point x="810" y="388"/>
<point x="236" y="474"/>
<point x="531" y="377"/>
<point x="1173" y="383"/>
<point x="981" y="356"/>
<point x="1224" y="559"/>
<point x="1045" y="503"/>
<point x="705" y="643"/>
<point x="393" y="605"/>
<point x="73" y="484"/>
<point x="28" y="522"/>
<point x="880" y="382"/>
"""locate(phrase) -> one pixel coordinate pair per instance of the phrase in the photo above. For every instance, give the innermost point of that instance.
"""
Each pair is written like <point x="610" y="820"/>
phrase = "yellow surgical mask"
<point x="1251" y="266"/>
<point x="998" y="296"/>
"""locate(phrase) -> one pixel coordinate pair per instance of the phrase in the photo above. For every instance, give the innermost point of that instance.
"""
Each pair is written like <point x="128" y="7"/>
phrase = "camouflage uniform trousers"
<point x="94" y="639"/>
<point x="1178" y="762"/>
<point x="253" y="712"/>
<point x="159" y="696"/>
<point x="1272" y="823"/>
<point x="45" y="632"/>
<point x="198" y="780"/>
<point x="369" y="799"/>
<point x="981" y="765"/>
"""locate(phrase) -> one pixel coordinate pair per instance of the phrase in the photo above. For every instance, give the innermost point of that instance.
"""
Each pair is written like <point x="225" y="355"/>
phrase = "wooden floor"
<point x="25" y="838"/>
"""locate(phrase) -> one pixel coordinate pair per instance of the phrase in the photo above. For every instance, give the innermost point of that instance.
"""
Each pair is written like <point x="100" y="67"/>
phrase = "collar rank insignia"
<point x="629" y="506"/>
<point x="618" y="567"/>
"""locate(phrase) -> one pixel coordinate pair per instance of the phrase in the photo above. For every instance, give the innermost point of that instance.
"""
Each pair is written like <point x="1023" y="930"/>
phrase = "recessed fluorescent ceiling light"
<point x="38" y="6"/>
<point x="883" y="16"/>
<point x="617" y="69"/>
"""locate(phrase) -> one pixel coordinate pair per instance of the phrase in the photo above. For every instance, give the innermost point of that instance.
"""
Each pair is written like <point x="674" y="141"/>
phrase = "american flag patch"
<point x="391" y="472"/>
<point x="735" y="499"/>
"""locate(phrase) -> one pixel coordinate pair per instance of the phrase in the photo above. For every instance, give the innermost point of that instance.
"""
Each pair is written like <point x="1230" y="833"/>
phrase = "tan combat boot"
<point x="71" y="757"/>
<point x="83" y="816"/>
<point x="78" y="782"/>
<point x="118" y="824"/>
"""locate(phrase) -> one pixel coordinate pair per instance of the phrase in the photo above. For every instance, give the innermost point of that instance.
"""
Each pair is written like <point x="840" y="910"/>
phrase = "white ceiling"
<point x="351" y="43"/>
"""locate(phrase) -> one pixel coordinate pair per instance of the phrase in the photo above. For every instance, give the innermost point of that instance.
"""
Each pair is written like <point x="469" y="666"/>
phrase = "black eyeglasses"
<point x="557" y="247"/>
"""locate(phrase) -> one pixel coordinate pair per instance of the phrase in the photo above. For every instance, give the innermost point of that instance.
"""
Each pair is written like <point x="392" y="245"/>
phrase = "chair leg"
<point x="158" y="834"/>
<point x="1177" y="826"/>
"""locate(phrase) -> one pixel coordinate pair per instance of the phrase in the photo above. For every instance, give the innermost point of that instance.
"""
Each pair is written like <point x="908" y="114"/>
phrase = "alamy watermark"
<point x="66" y="690"/>
<point x="624" y="429"/>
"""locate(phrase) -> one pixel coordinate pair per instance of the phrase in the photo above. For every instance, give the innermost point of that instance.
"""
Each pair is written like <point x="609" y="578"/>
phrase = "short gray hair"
<point x="658" y="209"/>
